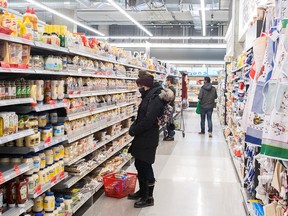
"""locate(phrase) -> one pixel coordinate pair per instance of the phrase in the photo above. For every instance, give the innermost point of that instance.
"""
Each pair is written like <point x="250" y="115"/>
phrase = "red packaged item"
<point x="21" y="192"/>
<point x="11" y="193"/>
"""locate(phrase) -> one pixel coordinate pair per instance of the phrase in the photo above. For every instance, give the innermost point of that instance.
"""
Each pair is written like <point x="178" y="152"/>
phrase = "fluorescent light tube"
<point x="170" y="45"/>
<point x="159" y="38"/>
<point x="44" y="7"/>
<point x="129" y="17"/>
<point x="203" y="17"/>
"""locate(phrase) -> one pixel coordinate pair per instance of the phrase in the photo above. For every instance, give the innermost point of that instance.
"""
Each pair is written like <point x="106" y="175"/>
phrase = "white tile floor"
<point x="195" y="177"/>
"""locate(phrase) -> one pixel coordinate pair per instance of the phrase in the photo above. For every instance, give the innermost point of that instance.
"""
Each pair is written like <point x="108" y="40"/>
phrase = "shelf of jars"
<point x="89" y="194"/>
<point x="73" y="179"/>
<point x="86" y="52"/>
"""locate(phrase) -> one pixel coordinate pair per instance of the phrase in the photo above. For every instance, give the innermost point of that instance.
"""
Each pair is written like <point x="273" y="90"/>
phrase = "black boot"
<point x="139" y="193"/>
<point x="147" y="199"/>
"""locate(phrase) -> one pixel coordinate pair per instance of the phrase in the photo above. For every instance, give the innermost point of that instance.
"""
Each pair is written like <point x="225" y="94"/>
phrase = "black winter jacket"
<point x="207" y="95"/>
<point x="145" y="129"/>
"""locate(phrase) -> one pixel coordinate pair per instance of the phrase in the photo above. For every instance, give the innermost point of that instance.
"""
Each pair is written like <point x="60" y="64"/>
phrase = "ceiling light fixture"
<point x="159" y="38"/>
<point x="129" y="17"/>
<point x="44" y="7"/>
<point x="171" y="45"/>
<point x="203" y="17"/>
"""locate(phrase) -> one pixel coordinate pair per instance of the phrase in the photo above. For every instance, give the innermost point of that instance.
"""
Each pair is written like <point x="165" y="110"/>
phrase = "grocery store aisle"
<point x="195" y="177"/>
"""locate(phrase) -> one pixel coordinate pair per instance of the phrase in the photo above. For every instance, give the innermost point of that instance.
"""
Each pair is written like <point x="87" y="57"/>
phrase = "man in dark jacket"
<point x="207" y="95"/>
<point x="145" y="130"/>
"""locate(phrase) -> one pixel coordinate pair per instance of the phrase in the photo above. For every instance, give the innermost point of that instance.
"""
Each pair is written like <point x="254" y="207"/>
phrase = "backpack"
<point x="165" y="117"/>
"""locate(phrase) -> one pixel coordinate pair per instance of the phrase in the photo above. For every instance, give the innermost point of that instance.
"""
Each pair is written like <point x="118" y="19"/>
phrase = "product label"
<point x="36" y="164"/>
<point x="13" y="91"/>
<point x="49" y="66"/>
<point x="18" y="90"/>
<point x="28" y="90"/>
<point x="43" y="162"/>
<point x="23" y="192"/>
<point x="23" y="90"/>
<point x="31" y="185"/>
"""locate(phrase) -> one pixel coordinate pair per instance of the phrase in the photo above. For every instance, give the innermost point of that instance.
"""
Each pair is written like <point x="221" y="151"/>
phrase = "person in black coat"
<point x="145" y="131"/>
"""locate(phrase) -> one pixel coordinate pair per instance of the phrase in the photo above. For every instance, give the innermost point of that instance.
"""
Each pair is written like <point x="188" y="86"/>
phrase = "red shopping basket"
<point x="119" y="188"/>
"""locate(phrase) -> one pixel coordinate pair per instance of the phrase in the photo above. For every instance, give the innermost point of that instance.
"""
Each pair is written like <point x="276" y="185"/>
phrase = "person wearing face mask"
<point x="145" y="131"/>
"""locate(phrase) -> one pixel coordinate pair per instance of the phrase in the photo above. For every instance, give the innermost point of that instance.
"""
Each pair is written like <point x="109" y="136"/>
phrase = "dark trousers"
<point x="208" y="113"/>
<point x="169" y="128"/>
<point x="145" y="171"/>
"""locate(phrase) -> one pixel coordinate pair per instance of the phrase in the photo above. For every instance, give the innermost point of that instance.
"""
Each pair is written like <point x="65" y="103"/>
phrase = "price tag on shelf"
<point x="62" y="175"/>
<point x="38" y="190"/>
<point x="16" y="169"/>
<point x="1" y="178"/>
<point x="53" y="180"/>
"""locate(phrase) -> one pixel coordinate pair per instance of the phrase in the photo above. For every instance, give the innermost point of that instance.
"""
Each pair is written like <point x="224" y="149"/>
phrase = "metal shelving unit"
<point x="74" y="179"/>
<point x="92" y="129"/>
<point x="47" y="186"/>
<point x="16" y="136"/>
<point x="16" y="211"/>
<point x="25" y="150"/>
<point x="96" y="146"/>
<point x="10" y="171"/>
<point x="17" y="101"/>
<point x="93" y="93"/>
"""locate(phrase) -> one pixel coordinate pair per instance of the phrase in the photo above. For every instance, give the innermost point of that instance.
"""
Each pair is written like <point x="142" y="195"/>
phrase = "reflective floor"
<point x="195" y="177"/>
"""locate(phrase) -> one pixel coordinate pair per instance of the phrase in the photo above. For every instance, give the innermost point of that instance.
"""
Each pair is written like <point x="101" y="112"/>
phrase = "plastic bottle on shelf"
<point x="55" y="41"/>
<point x="28" y="29"/>
<point x="41" y="177"/>
<point x="28" y="88"/>
<point x="49" y="156"/>
<point x="33" y="92"/>
<point x="36" y="179"/>
<point x="16" y="159"/>
<point x="34" y="20"/>
<point x="27" y="14"/>
<point x="20" y="30"/>
<point x="36" y="162"/>
<point x="54" y="89"/>
<point x="31" y="183"/>
<point x="2" y="90"/>
<point x="40" y="91"/>
<point x="6" y="20"/>
<point x="60" y="89"/>
<point x="68" y="204"/>
<point x="13" y="90"/>
<point x="49" y="202"/>
<point x="21" y="192"/>
<point x="11" y="193"/>
<point x="28" y="160"/>
<point x="42" y="160"/>
<point x="13" y="26"/>
<point x="60" y="200"/>
<point x="61" y="150"/>
<point x="38" y="204"/>
<point x="48" y="92"/>
<point x="23" y="89"/>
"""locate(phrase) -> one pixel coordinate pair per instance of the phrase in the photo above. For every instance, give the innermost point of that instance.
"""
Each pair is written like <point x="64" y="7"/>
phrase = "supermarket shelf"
<point x="240" y="68"/>
<point x="49" y="47"/>
<point x="90" y="194"/>
<point x="26" y="150"/>
<point x="62" y="73"/>
<point x="92" y="93"/>
<point x="96" y="146"/>
<point x="10" y="171"/>
<point x="17" y="210"/>
<point x="74" y="179"/>
<point x="74" y="116"/>
<point x="16" y="136"/>
<point x="48" y="186"/>
<point x="43" y="46"/>
<point x="92" y="129"/>
<point x="17" y="101"/>
<point x="246" y="203"/>
<point x="39" y="108"/>
<point x="16" y="39"/>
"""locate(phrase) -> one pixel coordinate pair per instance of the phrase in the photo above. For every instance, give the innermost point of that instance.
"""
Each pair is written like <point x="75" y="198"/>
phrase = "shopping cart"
<point x="179" y="122"/>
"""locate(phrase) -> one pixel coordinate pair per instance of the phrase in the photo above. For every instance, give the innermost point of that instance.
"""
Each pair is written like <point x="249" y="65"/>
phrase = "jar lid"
<point x="67" y="197"/>
<point x="36" y="154"/>
<point x="57" y="204"/>
<point x="59" y="200"/>
<point x="38" y="214"/>
<point x="49" y="194"/>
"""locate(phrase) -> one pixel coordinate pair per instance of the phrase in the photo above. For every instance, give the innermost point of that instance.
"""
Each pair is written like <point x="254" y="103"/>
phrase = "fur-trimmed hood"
<point x="166" y="95"/>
